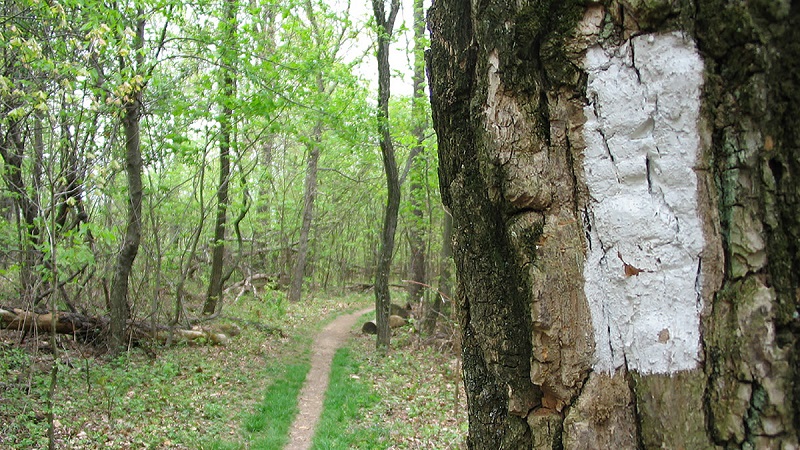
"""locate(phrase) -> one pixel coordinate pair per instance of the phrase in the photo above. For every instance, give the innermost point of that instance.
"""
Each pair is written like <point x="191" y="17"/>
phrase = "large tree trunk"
<point x="621" y="178"/>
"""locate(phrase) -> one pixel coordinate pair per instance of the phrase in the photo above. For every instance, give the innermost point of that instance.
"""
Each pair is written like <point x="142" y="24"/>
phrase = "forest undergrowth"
<point x="215" y="397"/>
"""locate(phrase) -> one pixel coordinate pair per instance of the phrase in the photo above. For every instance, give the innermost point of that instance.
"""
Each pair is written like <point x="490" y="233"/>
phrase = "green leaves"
<point x="69" y="69"/>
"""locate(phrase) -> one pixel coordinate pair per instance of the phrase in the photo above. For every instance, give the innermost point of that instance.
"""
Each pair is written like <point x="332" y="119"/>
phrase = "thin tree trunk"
<point x="382" y="296"/>
<point x="72" y="196"/>
<point x="625" y="201"/>
<point x="214" y="293"/>
<point x="229" y="55"/>
<point x="118" y="298"/>
<point x="416" y="239"/>
<point x="298" y="273"/>
<point x="237" y="222"/>
<point x="326" y="49"/>
<point x="188" y="256"/>
<point x="299" y="269"/>
<point x="38" y="151"/>
<point x="445" y="276"/>
<point x="54" y="268"/>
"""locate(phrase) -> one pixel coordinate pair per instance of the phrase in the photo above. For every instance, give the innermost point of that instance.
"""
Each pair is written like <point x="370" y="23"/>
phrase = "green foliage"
<point x="185" y="397"/>
<point x="12" y="360"/>
<point x="73" y="68"/>
<point x="27" y="430"/>
<point x="215" y="397"/>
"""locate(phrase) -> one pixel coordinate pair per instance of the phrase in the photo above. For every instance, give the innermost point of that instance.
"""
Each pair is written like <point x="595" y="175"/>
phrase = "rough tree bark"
<point x="622" y="178"/>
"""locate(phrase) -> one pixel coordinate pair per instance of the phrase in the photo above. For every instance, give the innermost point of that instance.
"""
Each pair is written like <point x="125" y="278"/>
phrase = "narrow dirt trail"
<point x="313" y="393"/>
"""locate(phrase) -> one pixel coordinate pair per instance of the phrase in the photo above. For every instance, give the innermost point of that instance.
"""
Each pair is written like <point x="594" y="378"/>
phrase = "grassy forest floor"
<point x="238" y="396"/>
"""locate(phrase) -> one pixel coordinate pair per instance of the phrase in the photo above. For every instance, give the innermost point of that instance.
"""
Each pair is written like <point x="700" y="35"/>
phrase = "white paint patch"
<point x="643" y="264"/>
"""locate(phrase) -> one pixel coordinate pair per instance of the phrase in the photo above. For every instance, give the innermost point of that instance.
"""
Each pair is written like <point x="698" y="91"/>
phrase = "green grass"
<point x="413" y="387"/>
<point x="180" y="397"/>
<point x="402" y="399"/>
<point x="239" y="396"/>
<point x="267" y="427"/>
<point x="270" y="422"/>
<point x="346" y="400"/>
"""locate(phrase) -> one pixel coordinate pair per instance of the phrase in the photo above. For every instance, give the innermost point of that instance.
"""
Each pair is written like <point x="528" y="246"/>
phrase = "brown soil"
<point x="313" y="392"/>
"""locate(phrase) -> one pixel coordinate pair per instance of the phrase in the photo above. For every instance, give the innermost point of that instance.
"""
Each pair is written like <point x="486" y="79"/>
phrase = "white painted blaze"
<point x="642" y="142"/>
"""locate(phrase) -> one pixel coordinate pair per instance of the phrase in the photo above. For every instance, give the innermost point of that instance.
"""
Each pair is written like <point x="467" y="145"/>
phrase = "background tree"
<point x="327" y="78"/>
<point x="134" y="75"/>
<point x="622" y="178"/>
<point x="419" y="114"/>
<point x="24" y="95"/>
<point x="385" y="25"/>
<point x="131" y="98"/>
<point x="227" y="61"/>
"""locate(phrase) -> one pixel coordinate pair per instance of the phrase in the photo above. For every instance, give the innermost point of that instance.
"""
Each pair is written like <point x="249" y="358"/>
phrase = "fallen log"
<point x="394" y="322"/>
<point x="92" y="329"/>
<point x="85" y="327"/>
<point x="196" y="336"/>
<point x="250" y="280"/>
<point x="360" y="287"/>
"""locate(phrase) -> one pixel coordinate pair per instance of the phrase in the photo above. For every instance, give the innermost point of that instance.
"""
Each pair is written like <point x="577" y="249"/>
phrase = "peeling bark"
<point x="548" y="363"/>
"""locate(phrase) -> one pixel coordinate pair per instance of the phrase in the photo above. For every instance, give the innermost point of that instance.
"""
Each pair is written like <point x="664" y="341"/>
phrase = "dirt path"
<point x="313" y="392"/>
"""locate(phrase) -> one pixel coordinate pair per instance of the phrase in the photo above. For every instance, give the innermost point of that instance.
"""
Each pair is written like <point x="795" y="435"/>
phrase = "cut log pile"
<point x="398" y="317"/>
